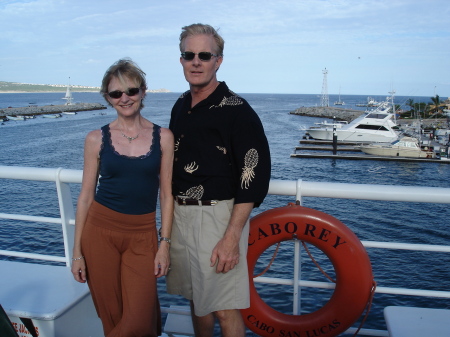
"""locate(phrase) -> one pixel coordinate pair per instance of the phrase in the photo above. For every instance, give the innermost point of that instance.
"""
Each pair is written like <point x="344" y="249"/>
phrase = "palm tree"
<point x="410" y="103"/>
<point x="433" y="108"/>
<point x="412" y="110"/>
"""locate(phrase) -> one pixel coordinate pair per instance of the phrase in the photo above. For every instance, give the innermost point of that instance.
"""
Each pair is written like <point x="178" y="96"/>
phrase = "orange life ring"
<point x="354" y="278"/>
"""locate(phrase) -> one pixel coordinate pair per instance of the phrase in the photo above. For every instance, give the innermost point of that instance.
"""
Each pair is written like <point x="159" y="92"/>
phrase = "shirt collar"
<point x="213" y="99"/>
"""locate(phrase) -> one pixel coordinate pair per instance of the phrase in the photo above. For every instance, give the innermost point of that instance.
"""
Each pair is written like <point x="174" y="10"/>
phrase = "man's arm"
<point x="225" y="254"/>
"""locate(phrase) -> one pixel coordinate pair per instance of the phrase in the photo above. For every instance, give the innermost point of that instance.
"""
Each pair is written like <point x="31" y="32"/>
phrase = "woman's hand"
<point x="79" y="270"/>
<point x="162" y="260"/>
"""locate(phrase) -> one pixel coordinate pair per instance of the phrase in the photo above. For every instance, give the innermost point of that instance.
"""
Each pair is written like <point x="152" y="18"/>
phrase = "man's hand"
<point x="225" y="254"/>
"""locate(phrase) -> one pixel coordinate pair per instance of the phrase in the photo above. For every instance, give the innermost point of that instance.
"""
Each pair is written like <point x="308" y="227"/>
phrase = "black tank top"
<point x="129" y="185"/>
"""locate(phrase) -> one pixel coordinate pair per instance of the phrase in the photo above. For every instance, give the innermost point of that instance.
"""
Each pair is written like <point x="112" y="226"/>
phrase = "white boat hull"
<point x="353" y="136"/>
<point x="52" y="116"/>
<point x="16" y="118"/>
<point x="407" y="147"/>
<point x="396" y="152"/>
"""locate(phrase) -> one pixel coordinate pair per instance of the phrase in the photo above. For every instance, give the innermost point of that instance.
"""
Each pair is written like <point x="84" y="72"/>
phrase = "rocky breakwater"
<point x="328" y="112"/>
<point x="50" y="109"/>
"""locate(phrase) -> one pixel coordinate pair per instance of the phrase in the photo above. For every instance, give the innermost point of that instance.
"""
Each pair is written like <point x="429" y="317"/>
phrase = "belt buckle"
<point x="214" y="202"/>
<point x="178" y="198"/>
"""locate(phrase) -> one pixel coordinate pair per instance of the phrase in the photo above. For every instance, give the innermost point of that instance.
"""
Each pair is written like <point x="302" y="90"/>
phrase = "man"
<point x="221" y="171"/>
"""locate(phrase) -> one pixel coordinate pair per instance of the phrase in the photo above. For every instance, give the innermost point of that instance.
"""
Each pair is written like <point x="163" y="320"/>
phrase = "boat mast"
<point x="393" y="105"/>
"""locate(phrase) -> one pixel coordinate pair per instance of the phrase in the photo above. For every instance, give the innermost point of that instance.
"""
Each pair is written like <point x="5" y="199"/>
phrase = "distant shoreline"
<point x="40" y="92"/>
<point x="73" y="91"/>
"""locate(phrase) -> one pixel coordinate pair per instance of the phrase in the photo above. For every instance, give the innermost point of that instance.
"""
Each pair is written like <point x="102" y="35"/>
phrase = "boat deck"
<point x="25" y="287"/>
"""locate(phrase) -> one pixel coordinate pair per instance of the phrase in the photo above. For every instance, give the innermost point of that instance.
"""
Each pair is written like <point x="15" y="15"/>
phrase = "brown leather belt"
<point x="194" y="202"/>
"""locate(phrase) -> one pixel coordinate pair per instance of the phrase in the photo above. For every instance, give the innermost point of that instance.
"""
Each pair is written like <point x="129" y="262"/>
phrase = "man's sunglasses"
<point x="203" y="55"/>
<point x="130" y="92"/>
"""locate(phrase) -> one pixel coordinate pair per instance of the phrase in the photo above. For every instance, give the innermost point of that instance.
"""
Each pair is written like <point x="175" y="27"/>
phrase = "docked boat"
<point x="15" y="118"/>
<point x="377" y="125"/>
<point x="339" y="102"/>
<point x="69" y="113"/>
<point x="408" y="147"/>
<point x="371" y="103"/>
<point x="57" y="115"/>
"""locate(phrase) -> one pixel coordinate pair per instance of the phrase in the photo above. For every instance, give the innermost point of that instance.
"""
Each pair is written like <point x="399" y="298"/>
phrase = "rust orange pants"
<point x="119" y="251"/>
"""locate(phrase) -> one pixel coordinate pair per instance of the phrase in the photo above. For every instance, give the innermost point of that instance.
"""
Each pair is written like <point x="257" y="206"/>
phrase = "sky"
<point x="368" y="47"/>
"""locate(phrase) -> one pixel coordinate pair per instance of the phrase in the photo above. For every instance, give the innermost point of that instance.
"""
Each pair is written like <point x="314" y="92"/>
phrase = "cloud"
<point x="271" y="46"/>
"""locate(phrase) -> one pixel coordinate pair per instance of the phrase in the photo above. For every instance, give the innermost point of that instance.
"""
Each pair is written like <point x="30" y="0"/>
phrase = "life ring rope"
<point x="368" y="307"/>
<point x="317" y="263"/>
<point x="274" y="255"/>
<point x="372" y="291"/>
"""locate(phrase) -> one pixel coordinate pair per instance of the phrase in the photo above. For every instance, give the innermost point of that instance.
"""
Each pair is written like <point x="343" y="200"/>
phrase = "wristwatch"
<point x="162" y="238"/>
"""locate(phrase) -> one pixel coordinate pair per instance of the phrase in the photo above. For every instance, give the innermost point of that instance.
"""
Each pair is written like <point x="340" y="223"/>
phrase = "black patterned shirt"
<point x="221" y="151"/>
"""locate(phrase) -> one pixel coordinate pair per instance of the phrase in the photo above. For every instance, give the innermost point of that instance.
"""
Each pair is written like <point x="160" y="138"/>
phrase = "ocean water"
<point x="42" y="142"/>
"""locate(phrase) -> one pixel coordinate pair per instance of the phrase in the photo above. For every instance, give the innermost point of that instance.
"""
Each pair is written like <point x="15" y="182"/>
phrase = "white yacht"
<point x="405" y="147"/>
<point x="371" y="103"/>
<point x="373" y="126"/>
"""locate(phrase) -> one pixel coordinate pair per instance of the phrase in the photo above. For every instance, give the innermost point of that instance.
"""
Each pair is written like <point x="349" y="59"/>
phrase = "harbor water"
<point x="42" y="142"/>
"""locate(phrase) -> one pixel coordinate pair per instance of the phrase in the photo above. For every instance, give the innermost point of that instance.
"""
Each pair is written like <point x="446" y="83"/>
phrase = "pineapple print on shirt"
<point x="250" y="162"/>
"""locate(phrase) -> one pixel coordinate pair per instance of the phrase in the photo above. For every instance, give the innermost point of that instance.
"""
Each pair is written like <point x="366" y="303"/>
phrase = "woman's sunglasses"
<point x="130" y="92"/>
<point x="203" y="55"/>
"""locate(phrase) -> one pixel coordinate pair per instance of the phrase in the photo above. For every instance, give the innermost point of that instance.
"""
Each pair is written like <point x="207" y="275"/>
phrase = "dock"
<point x="350" y="151"/>
<point x="328" y="148"/>
<point x="367" y="157"/>
<point x="50" y="109"/>
<point x="315" y="148"/>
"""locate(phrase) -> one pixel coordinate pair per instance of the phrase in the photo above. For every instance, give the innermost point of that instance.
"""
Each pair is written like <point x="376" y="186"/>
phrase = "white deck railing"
<point x="295" y="188"/>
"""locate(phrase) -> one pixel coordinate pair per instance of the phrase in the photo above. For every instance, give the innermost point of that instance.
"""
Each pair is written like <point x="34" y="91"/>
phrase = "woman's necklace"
<point x="130" y="138"/>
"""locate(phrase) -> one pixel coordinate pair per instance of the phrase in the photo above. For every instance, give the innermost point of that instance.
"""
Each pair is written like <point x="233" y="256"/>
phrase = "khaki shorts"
<point x="195" y="232"/>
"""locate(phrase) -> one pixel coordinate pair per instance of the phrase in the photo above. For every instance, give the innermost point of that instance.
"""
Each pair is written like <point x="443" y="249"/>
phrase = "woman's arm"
<point x="162" y="259"/>
<point x="88" y="185"/>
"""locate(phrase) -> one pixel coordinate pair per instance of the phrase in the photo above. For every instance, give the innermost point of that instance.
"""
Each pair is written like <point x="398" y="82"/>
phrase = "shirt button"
<point x="182" y="136"/>
<point x="189" y="112"/>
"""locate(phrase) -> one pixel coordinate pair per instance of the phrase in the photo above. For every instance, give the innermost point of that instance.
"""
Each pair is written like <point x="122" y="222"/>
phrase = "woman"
<point x="116" y="246"/>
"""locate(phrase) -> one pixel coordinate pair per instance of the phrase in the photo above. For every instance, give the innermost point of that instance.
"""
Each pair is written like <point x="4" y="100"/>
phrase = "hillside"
<point x="12" y="87"/>
<point x="27" y="87"/>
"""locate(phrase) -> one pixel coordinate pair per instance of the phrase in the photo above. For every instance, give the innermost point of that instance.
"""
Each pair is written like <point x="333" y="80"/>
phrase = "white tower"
<point x="68" y="96"/>
<point x="325" y="101"/>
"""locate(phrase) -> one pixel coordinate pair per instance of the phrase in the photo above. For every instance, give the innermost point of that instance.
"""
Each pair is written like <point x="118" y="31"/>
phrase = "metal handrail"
<point x="297" y="188"/>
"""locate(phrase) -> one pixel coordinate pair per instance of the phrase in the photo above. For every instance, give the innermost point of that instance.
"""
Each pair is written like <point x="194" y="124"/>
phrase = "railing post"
<point x="67" y="213"/>
<point x="298" y="192"/>
<point x="297" y="291"/>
